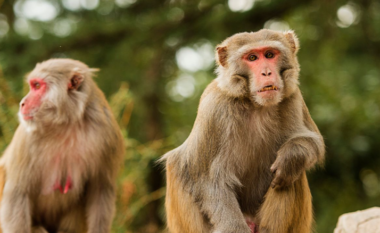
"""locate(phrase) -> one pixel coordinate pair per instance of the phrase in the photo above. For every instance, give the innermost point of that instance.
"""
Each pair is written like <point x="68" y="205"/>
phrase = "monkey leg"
<point x="287" y="210"/>
<point x="183" y="215"/>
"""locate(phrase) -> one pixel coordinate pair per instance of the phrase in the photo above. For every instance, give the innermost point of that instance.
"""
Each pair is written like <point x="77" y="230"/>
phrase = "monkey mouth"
<point x="268" y="88"/>
<point x="27" y="116"/>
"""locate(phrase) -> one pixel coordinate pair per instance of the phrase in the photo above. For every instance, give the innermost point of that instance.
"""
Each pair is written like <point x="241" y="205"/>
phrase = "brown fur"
<point x="239" y="146"/>
<point x="73" y="133"/>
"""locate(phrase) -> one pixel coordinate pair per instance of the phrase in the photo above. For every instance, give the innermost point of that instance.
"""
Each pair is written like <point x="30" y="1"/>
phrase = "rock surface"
<point x="363" y="221"/>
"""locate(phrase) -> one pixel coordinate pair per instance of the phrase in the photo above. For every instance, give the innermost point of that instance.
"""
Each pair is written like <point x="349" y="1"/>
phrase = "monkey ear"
<point x="293" y="41"/>
<point x="93" y="71"/>
<point x="222" y="55"/>
<point x="75" y="81"/>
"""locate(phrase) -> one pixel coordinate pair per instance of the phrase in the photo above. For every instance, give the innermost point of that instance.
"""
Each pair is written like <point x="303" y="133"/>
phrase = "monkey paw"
<point x="286" y="169"/>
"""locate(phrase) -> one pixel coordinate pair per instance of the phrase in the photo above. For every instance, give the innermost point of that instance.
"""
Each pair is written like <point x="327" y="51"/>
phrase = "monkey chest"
<point x="63" y="167"/>
<point x="257" y="177"/>
<point x="62" y="183"/>
<point x="64" y="173"/>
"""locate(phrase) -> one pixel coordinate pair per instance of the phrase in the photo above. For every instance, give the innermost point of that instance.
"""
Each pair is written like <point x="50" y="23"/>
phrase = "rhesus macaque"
<point x="62" y="163"/>
<point x="242" y="169"/>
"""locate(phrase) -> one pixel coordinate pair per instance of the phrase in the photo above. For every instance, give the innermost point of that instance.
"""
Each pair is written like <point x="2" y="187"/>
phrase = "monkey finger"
<point x="273" y="168"/>
<point x="275" y="182"/>
<point x="285" y="182"/>
<point x="281" y="184"/>
<point x="277" y="185"/>
<point x="279" y="180"/>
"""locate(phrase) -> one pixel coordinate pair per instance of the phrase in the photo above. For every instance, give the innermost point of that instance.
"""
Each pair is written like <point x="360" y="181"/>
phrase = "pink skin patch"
<point x="32" y="100"/>
<point x="252" y="226"/>
<point x="70" y="86"/>
<point x="263" y="63"/>
<point x="68" y="185"/>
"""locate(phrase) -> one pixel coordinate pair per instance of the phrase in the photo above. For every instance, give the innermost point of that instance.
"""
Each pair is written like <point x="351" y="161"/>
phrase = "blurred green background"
<point x="157" y="56"/>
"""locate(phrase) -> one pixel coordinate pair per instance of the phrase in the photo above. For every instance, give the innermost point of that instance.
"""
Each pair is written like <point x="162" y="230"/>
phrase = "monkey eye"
<point x="269" y="55"/>
<point x="252" y="57"/>
<point x="36" y="85"/>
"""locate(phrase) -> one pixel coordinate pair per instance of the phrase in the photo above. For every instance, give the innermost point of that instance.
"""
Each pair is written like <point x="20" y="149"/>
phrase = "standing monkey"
<point x="242" y="169"/>
<point x="62" y="163"/>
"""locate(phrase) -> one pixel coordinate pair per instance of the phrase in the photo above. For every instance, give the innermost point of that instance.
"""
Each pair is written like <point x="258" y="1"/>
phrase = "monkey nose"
<point x="266" y="72"/>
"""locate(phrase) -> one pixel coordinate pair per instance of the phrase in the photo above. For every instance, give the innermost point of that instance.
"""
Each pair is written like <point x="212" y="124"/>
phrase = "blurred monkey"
<point x="62" y="162"/>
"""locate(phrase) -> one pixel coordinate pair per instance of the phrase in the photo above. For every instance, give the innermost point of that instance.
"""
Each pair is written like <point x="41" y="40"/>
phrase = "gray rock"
<point x="363" y="221"/>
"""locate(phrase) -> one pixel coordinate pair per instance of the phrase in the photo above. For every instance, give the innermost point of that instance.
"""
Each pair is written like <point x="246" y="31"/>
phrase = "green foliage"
<point x="8" y="112"/>
<point x="139" y="46"/>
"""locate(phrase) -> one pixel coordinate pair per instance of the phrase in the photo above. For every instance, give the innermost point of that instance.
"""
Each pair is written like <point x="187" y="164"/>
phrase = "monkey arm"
<point x="15" y="210"/>
<point x="100" y="206"/>
<point x="318" y="140"/>
<point x="219" y="203"/>
<point x="15" y="207"/>
<point x="297" y="154"/>
<point x="213" y="191"/>
<point x="301" y="151"/>
<point x="207" y="167"/>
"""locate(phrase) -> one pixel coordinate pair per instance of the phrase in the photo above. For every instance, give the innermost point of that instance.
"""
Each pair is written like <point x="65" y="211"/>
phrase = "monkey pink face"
<point x="32" y="101"/>
<point x="266" y="84"/>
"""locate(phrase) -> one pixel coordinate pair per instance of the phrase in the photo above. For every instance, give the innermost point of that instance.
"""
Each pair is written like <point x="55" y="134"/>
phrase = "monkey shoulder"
<point x="215" y="104"/>
<point x="293" y="108"/>
<point x="170" y="157"/>
<point x="100" y="120"/>
<point x="15" y="150"/>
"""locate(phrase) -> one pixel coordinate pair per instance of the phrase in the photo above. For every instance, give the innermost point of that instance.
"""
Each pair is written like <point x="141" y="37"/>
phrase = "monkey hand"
<point x="287" y="168"/>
